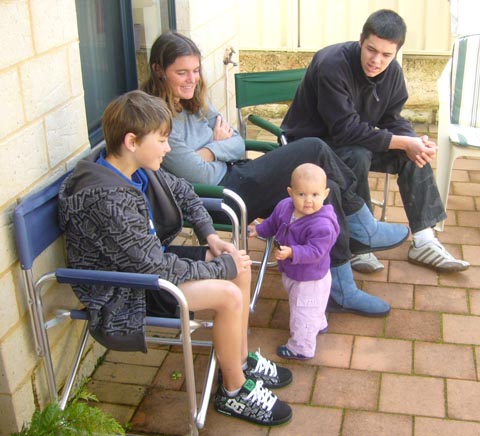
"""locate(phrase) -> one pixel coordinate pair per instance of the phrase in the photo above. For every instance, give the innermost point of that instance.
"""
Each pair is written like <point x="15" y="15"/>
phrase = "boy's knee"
<point x="233" y="298"/>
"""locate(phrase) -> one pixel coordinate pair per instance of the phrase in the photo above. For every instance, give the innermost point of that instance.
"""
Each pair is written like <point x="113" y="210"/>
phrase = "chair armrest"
<point x="266" y="125"/>
<point x="261" y="146"/>
<point x="107" y="278"/>
<point x="212" y="191"/>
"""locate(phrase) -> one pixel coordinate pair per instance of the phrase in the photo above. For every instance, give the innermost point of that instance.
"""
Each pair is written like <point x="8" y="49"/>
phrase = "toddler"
<point x="306" y="230"/>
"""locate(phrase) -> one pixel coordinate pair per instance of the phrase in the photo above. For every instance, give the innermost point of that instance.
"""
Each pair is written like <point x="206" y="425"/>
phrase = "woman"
<point x="206" y="149"/>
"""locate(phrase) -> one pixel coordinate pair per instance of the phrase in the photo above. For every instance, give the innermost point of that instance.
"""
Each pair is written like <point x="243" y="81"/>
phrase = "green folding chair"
<point x="253" y="89"/>
<point x="266" y="87"/>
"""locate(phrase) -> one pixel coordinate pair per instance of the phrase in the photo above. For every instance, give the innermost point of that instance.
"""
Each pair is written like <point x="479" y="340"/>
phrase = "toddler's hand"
<point x="251" y="231"/>
<point x="283" y="253"/>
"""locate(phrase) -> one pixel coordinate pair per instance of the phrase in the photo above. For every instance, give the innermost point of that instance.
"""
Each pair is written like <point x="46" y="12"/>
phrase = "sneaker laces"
<point x="262" y="397"/>
<point x="265" y="366"/>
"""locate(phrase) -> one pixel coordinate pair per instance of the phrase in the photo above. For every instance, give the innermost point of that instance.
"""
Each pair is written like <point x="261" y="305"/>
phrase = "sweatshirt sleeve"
<point x="190" y="133"/>
<point x="226" y="150"/>
<point x="341" y="118"/>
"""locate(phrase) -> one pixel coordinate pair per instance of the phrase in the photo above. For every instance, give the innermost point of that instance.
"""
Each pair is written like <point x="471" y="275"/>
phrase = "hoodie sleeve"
<point x="111" y="231"/>
<point x="191" y="206"/>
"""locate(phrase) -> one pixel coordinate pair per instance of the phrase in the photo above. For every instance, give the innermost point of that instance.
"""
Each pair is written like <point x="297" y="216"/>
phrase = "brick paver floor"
<point x="414" y="372"/>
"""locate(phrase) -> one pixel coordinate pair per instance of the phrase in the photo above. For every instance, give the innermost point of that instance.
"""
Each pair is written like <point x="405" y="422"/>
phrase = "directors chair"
<point x="36" y="229"/>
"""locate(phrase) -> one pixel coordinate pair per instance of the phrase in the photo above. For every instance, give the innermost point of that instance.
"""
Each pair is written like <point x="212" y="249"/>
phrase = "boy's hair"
<point x="385" y="24"/>
<point x="164" y="52"/>
<point x="134" y="112"/>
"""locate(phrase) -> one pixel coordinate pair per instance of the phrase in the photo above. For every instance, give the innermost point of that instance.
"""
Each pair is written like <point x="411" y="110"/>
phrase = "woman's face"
<point x="183" y="76"/>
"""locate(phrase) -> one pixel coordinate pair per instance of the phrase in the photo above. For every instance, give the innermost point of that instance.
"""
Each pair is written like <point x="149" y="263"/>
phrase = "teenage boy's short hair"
<point x="134" y="112"/>
<point x="385" y="24"/>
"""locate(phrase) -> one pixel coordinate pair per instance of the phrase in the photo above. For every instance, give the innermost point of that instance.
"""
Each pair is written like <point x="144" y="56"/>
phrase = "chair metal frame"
<point x="36" y="228"/>
<point x="267" y="87"/>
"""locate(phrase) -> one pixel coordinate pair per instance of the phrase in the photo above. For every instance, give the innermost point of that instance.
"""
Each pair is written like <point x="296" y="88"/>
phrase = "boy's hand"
<point x="218" y="246"/>
<point x="242" y="260"/>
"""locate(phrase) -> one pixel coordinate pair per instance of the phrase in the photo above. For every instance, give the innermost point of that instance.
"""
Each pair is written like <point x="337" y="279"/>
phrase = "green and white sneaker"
<point x="260" y="368"/>
<point x="253" y="403"/>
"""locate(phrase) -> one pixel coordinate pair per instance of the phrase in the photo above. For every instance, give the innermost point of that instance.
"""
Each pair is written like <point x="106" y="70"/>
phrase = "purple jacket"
<point x="310" y="237"/>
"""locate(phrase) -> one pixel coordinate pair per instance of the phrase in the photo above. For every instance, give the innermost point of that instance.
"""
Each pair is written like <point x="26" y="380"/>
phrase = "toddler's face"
<point x="308" y="196"/>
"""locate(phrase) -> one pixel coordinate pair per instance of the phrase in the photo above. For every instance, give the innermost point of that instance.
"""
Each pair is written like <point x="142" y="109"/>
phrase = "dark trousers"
<point x="263" y="182"/>
<point x="418" y="188"/>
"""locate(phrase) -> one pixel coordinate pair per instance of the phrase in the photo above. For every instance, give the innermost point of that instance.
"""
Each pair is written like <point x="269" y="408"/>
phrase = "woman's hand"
<point x="222" y="129"/>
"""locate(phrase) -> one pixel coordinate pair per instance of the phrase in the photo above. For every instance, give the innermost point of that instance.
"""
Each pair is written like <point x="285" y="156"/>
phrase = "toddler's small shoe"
<point x="285" y="353"/>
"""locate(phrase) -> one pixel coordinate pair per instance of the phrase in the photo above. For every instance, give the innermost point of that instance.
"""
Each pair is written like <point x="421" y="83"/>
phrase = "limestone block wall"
<point x="43" y="131"/>
<point x="213" y="26"/>
<point x="421" y="75"/>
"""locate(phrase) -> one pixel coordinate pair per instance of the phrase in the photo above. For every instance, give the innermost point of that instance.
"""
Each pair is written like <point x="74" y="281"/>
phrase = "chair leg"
<point x="207" y="389"/>
<point x="445" y="161"/>
<point x="73" y="373"/>
<point x="386" y="188"/>
<point x="261" y="274"/>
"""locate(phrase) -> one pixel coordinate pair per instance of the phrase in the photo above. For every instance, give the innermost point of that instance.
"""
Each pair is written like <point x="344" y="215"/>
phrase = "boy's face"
<point x="308" y="195"/>
<point x="183" y="76"/>
<point x="151" y="150"/>
<point x="376" y="55"/>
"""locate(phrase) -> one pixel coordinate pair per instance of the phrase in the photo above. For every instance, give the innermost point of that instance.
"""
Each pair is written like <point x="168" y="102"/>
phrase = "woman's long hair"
<point x="165" y="50"/>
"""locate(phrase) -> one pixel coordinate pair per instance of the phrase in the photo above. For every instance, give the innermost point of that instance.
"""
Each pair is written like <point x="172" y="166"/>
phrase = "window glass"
<point x="150" y="18"/>
<point x="111" y="40"/>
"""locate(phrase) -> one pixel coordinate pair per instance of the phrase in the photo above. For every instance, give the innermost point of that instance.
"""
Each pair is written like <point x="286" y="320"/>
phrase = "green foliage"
<point x="78" y="418"/>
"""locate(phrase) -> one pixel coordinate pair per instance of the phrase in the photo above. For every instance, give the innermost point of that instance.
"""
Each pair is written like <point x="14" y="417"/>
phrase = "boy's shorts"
<point x="161" y="303"/>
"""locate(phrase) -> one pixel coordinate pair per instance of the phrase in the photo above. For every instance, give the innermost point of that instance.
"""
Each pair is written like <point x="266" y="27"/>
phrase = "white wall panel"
<point x="308" y="25"/>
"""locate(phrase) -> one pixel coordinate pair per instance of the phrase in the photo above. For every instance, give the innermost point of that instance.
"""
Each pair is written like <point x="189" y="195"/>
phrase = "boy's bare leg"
<point x="243" y="281"/>
<point x="227" y="300"/>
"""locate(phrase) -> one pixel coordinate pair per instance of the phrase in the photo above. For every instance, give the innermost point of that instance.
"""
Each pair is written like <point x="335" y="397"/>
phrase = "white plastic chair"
<point x="459" y="111"/>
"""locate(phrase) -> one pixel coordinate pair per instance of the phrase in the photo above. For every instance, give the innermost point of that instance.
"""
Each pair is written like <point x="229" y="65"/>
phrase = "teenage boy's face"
<point x="151" y="150"/>
<point x="376" y="55"/>
<point x="183" y="76"/>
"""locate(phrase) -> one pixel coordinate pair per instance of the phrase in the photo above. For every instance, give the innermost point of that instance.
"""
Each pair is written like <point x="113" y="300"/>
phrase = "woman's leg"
<point x="262" y="182"/>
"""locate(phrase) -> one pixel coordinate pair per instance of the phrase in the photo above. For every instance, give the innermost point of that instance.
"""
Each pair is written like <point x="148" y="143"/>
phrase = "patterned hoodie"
<point x="106" y="223"/>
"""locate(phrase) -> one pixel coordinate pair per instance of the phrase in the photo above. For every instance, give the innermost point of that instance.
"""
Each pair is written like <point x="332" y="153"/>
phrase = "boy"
<point x="120" y="212"/>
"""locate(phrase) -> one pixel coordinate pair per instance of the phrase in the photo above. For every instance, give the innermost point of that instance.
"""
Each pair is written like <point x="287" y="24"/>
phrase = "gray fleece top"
<point x="191" y="132"/>
<point x="106" y="224"/>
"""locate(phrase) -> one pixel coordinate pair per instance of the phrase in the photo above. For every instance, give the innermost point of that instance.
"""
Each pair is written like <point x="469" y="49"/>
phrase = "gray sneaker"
<point x="366" y="263"/>
<point x="434" y="255"/>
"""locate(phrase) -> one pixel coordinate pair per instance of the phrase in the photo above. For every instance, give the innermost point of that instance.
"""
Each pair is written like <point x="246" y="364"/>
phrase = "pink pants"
<point x="308" y="301"/>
